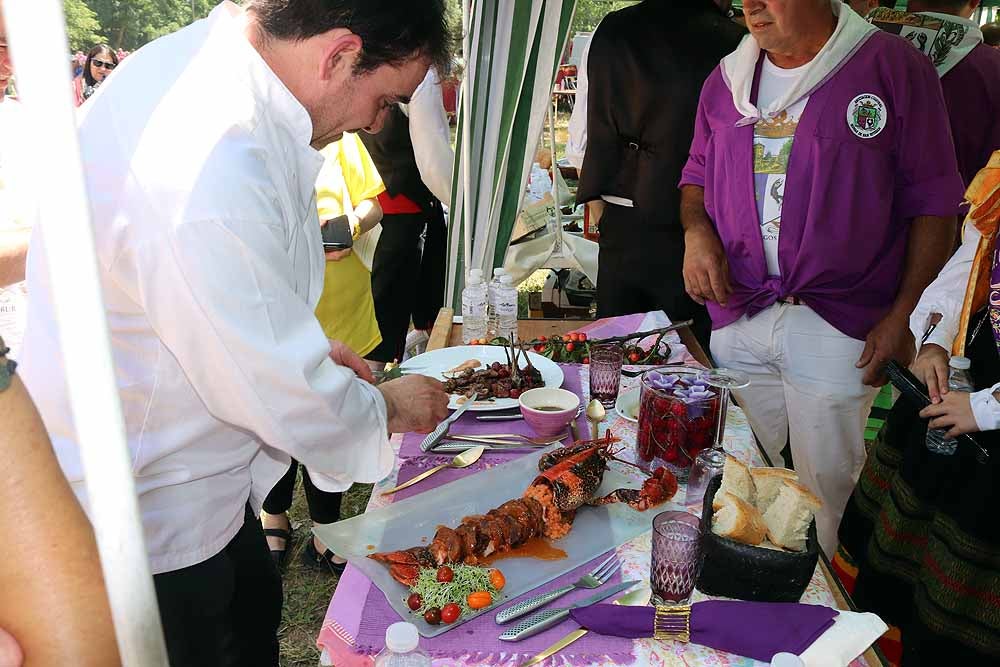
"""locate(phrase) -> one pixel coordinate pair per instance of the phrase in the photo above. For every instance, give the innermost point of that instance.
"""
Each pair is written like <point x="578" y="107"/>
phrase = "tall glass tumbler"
<point x="605" y="372"/>
<point x="676" y="558"/>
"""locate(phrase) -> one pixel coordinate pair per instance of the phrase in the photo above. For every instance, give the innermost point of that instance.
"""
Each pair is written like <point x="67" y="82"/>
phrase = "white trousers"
<point x="804" y="389"/>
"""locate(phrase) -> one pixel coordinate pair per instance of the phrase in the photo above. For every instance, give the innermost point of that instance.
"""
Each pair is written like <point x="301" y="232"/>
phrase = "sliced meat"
<point x="446" y="547"/>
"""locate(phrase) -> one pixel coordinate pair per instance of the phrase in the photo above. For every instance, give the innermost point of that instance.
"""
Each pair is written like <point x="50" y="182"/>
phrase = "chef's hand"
<point x="337" y="255"/>
<point x="10" y="652"/>
<point x="931" y="368"/>
<point x="414" y="403"/>
<point x="953" y="413"/>
<point x="345" y="356"/>
<point x="706" y="271"/>
<point x="890" y="339"/>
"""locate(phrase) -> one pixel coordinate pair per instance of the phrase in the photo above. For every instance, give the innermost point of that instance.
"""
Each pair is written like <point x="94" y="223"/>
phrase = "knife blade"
<point x="550" y="617"/>
<point x="442" y="429"/>
<point x="638" y="597"/>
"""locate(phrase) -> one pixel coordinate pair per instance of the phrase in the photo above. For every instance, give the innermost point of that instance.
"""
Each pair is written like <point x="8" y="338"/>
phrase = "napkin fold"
<point x="755" y="630"/>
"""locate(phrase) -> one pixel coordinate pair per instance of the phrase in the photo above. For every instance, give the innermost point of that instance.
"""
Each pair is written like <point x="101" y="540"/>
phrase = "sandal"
<point x="278" y="555"/>
<point x="313" y="558"/>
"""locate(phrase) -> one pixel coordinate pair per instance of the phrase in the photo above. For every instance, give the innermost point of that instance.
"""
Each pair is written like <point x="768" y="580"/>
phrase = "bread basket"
<point x="745" y="572"/>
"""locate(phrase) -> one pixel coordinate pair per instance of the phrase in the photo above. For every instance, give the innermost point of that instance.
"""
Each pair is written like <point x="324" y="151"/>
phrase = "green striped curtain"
<point x="512" y="52"/>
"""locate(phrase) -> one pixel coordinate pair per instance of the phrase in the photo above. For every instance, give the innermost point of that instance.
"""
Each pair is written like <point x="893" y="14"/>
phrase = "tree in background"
<point x="128" y="24"/>
<point x="82" y="26"/>
<point x="590" y="12"/>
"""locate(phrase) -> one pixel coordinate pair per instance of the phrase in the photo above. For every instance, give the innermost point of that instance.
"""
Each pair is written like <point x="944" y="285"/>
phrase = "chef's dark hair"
<point x="391" y="31"/>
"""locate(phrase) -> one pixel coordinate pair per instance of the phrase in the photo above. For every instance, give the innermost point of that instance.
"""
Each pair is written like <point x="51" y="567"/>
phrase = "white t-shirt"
<point x="772" y="139"/>
<point x="15" y="214"/>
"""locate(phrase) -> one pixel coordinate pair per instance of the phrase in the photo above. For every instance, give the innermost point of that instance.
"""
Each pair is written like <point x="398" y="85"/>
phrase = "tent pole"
<point x="557" y="247"/>
<point x="39" y="47"/>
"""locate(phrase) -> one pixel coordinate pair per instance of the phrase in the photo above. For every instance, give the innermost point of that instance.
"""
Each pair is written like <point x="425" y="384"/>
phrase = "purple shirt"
<point x="972" y="93"/>
<point x="848" y="200"/>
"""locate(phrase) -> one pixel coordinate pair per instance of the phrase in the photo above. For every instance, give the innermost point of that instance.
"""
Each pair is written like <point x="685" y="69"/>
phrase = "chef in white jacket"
<point x="200" y="172"/>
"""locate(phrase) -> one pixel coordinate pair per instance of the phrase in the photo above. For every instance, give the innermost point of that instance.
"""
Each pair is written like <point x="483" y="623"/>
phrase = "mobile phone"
<point x="337" y="234"/>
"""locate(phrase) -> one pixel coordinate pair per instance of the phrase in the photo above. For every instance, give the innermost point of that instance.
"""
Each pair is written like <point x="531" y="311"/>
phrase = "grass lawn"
<point x="308" y="591"/>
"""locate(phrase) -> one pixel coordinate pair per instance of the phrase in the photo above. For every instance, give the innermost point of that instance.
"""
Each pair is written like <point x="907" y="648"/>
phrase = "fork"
<point x="595" y="579"/>
<point x="503" y="438"/>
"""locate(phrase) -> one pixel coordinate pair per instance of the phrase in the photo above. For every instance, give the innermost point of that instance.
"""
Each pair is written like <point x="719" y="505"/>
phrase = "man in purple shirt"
<point x="968" y="68"/>
<point x="818" y="202"/>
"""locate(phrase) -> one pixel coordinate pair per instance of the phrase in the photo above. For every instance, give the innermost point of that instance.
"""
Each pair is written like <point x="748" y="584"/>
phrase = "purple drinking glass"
<point x="605" y="372"/>
<point x="676" y="558"/>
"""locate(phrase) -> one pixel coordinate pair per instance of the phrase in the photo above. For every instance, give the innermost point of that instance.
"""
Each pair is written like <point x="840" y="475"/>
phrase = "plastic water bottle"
<point x="492" y="327"/>
<point x="958" y="380"/>
<point x="474" y="302"/>
<point x="507" y="308"/>
<point x="402" y="648"/>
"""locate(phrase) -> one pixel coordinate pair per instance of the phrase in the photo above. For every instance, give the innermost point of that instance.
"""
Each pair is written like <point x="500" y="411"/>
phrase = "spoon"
<point x="595" y="415"/>
<point x="463" y="460"/>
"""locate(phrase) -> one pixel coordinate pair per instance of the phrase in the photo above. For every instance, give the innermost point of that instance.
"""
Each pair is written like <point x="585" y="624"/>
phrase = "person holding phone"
<point x="346" y="192"/>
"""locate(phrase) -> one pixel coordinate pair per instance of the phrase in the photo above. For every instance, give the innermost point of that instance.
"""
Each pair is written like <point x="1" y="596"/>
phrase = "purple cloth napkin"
<point x="755" y="630"/>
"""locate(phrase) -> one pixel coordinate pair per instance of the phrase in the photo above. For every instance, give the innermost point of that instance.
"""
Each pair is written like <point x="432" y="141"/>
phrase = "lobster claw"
<point x="656" y="490"/>
<point x="404" y="566"/>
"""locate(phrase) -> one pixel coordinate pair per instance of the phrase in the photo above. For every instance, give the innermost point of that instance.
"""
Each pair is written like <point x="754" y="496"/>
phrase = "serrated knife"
<point x="442" y="430"/>
<point x="550" y="617"/>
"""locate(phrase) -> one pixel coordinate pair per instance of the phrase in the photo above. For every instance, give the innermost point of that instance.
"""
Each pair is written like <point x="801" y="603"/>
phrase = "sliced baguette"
<point x="767" y="482"/>
<point x="736" y="480"/>
<point x="738" y="520"/>
<point x="789" y="516"/>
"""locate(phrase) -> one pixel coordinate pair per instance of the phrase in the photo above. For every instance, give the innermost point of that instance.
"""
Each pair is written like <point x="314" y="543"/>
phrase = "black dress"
<point x="923" y="530"/>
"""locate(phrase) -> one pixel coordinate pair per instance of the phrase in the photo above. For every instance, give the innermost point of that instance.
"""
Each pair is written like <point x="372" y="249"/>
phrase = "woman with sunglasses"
<point x="100" y="62"/>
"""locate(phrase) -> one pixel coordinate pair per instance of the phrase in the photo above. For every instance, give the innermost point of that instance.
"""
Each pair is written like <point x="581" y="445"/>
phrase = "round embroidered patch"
<point x="866" y="116"/>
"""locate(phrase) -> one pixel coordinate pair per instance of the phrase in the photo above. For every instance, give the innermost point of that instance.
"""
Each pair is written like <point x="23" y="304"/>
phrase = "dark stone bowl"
<point x="735" y="570"/>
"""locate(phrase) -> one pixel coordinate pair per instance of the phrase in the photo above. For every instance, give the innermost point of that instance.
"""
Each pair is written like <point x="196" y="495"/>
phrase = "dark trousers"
<point x="324" y="506"/>
<point x="407" y="280"/>
<point x="224" y="611"/>
<point x="640" y="269"/>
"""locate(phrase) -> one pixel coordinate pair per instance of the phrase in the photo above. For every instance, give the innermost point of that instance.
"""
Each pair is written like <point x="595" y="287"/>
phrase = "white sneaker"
<point x="416" y="343"/>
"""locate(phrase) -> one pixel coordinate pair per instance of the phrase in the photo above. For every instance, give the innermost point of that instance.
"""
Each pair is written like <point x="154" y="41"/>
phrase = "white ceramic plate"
<point x="434" y="364"/>
<point x="627" y="405"/>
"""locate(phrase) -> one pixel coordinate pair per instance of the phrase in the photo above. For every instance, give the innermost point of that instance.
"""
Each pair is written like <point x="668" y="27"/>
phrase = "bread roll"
<point x="738" y="520"/>
<point x="736" y="480"/>
<point x="789" y="516"/>
<point x="767" y="482"/>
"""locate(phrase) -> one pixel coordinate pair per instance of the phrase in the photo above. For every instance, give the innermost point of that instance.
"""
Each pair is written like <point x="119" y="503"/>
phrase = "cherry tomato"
<point x="542" y="339"/>
<point x="581" y="337"/>
<point x="570" y="347"/>
<point x="433" y="615"/>
<point x="497" y="579"/>
<point x="539" y="348"/>
<point x="445" y="574"/>
<point x="634" y="357"/>
<point x="450" y="612"/>
<point x="415" y="602"/>
<point x="586" y="360"/>
<point x="479" y="599"/>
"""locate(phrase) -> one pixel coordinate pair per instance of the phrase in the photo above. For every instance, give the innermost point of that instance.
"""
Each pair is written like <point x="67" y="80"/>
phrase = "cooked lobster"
<point x="569" y="478"/>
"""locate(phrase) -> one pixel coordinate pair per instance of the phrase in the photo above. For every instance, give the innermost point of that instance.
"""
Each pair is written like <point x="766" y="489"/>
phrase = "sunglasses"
<point x="102" y="64"/>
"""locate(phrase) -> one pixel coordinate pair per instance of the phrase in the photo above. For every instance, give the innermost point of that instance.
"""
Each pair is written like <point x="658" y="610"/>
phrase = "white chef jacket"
<point x="200" y="178"/>
<point x="945" y="296"/>
<point x="431" y="136"/>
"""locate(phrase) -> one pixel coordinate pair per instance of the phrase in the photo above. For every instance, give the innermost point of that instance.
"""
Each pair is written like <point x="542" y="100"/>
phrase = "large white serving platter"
<point x="413" y="522"/>
<point x="437" y="362"/>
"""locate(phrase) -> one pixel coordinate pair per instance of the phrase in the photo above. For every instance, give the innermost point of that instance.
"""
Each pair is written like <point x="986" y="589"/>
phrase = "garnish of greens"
<point x="468" y="579"/>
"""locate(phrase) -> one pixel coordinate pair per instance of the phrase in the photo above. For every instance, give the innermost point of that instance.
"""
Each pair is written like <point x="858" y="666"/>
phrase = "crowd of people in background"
<point x="820" y="150"/>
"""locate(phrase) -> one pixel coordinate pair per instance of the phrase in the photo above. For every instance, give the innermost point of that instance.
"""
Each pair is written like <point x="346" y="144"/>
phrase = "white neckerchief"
<point x="943" y="38"/>
<point x="739" y="67"/>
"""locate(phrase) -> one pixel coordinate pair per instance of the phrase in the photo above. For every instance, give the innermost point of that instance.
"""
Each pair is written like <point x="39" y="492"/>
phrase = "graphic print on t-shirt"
<point x="772" y="145"/>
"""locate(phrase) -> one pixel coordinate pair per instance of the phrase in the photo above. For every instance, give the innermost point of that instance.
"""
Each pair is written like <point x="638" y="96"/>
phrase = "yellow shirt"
<point x="346" y="309"/>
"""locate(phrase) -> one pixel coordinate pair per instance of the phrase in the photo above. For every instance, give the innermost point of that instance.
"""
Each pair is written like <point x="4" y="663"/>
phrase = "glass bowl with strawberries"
<point x="678" y="417"/>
